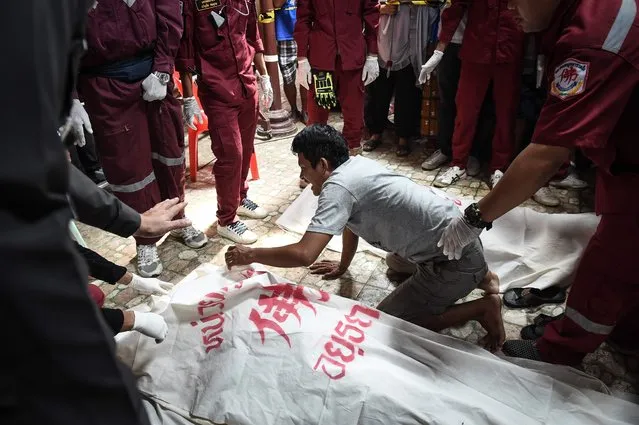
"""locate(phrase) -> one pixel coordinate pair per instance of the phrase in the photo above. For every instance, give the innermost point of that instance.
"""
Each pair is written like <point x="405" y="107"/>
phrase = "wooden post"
<point x="280" y="120"/>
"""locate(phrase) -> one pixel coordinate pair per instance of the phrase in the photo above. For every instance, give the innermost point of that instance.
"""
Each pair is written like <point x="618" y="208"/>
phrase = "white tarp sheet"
<point x="249" y="348"/>
<point x="525" y="248"/>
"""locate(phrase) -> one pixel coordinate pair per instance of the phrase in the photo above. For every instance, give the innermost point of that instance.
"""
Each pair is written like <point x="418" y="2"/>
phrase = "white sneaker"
<point x="495" y="177"/>
<point x="436" y="160"/>
<point x="451" y="175"/>
<point x="238" y="233"/>
<point x="250" y="209"/>
<point x="191" y="237"/>
<point x="149" y="264"/>
<point x="473" y="167"/>
<point x="571" y="181"/>
<point x="544" y="196"/>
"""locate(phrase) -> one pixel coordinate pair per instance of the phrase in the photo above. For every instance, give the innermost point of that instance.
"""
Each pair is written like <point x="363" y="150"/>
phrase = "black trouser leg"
<point x="448" y="79"/>
<point x="378" y="96"/>
<point x="408" y="99"/>
<point x="88" y="155"/>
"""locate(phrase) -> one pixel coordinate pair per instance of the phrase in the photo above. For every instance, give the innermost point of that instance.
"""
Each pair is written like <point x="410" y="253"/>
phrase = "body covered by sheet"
<point x="250" y="348"/>
<point x="525" y="248"/>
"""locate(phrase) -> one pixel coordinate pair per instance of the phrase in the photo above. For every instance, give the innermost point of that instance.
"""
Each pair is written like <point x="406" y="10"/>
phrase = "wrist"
<point x="163" y="77"/>
<point x="473" y="216"/>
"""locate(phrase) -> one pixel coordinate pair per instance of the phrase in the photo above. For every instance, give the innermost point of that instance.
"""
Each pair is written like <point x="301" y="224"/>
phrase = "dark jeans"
<point x="448" y="73"/>
<point x="408" y="99"/>
<point x="101" y="268"/>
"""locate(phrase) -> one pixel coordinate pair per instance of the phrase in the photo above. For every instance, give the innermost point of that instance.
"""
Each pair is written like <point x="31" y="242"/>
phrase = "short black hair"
<point x="321" y="141"/>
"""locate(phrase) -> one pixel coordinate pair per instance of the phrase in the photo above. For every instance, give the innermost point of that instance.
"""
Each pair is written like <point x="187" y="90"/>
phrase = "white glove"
<point x="266" y="92"/>
<point x="192" y="112"/>
<point x="456" y="236"/>
<point x="150" y="324"/>
<point x="430" y="66"/>
<point x="304" y="77"/>
<point x="371" y="70"/>
<point x="79" y="121"/>
<point x="150" y="285"/>
<point x="153" y="88"/>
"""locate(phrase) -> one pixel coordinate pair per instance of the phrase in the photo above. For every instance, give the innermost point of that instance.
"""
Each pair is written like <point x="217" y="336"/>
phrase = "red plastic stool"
<point x="200" y="127"/>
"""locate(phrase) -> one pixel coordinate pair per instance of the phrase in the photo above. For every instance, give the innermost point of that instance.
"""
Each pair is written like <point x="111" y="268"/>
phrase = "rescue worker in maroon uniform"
<point x="592" y="50"/>
<point x="137" y="122"/>
<point x="220" y="43"/>
<point x="329" y="38"/>
<point x="492" y="50"/>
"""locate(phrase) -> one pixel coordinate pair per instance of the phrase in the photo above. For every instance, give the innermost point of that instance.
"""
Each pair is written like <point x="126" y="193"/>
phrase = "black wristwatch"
<point x="472" y="216"/>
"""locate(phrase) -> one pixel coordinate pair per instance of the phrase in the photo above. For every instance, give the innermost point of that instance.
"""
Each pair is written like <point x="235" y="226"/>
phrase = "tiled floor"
<point x="366" y="280"/>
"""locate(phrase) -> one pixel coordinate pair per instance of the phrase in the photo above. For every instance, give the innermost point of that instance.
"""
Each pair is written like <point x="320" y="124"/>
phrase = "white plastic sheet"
<point x="256" y="350"/>
<point x="525" y="248"/>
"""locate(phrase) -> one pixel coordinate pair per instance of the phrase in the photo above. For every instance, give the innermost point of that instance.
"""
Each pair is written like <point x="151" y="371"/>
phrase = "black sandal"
<point x="530" y="297"/>
<point x="371" y="144"/>
<point x="402" y="150"/>
<point x="536" y="330"/>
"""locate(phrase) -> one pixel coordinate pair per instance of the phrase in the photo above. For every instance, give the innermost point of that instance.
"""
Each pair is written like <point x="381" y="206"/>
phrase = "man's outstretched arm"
<point x="300" y="254"/>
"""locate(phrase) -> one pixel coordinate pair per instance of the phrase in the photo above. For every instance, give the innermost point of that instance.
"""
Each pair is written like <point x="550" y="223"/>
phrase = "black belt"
<point x="128" y="70"/>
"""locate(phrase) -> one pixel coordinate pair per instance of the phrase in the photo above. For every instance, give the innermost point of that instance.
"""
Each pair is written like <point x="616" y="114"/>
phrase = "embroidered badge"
<point x="570" y="78"/>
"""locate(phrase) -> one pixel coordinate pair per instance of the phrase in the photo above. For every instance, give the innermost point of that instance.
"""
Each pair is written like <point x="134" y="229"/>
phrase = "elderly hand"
<point x="430" y="66"/>
<point x="238" y="255"/>
<point x="328" y="269"/>
<point x="456" y="236"/>
<point x="160" y="220"/>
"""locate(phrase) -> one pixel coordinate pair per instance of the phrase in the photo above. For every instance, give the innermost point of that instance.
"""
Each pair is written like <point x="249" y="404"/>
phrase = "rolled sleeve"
<point x="334" y="209"/>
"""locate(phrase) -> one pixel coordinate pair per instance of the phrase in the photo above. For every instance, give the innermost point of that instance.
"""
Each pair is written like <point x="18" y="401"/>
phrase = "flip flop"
<point x="402" y="150"/>
<point x="371" y="144"/>
<point x="530" y="297"/>
<point x="536" y="330"/>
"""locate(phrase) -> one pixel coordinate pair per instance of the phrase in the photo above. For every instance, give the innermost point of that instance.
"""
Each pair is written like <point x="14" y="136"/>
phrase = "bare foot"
<point x="493" y="323"/>
<point x="490" y="284"/>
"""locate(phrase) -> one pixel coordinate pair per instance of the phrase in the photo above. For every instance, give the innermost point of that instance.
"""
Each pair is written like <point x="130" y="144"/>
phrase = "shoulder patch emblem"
<point x="570" y="78"/>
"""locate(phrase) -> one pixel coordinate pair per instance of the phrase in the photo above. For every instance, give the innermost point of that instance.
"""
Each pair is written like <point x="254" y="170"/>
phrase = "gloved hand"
<point x="304" y="77"/>
<point x="371" y="70"/>
<point x="150" y="324"/>
<point x="79" y="121"/>
<point x="192" y="112"/>
<point x="150" y="285"/>
<point x="456" y="236"/>
<point x="266" y="92"/>
<point x="430" y="66"/>
<point x="154" y="89"/>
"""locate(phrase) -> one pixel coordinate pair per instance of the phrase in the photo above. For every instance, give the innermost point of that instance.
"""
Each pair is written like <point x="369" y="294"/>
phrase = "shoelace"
<point x="450" y="174"/>
<point x="248" y="204"/>
<point x="147" y="255"/>
<point x="190" y="232"/>
<point x="238" y="227"/>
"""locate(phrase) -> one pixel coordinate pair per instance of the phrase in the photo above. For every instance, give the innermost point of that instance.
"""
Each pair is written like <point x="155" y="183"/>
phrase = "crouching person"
<point x="360" y="198"/>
